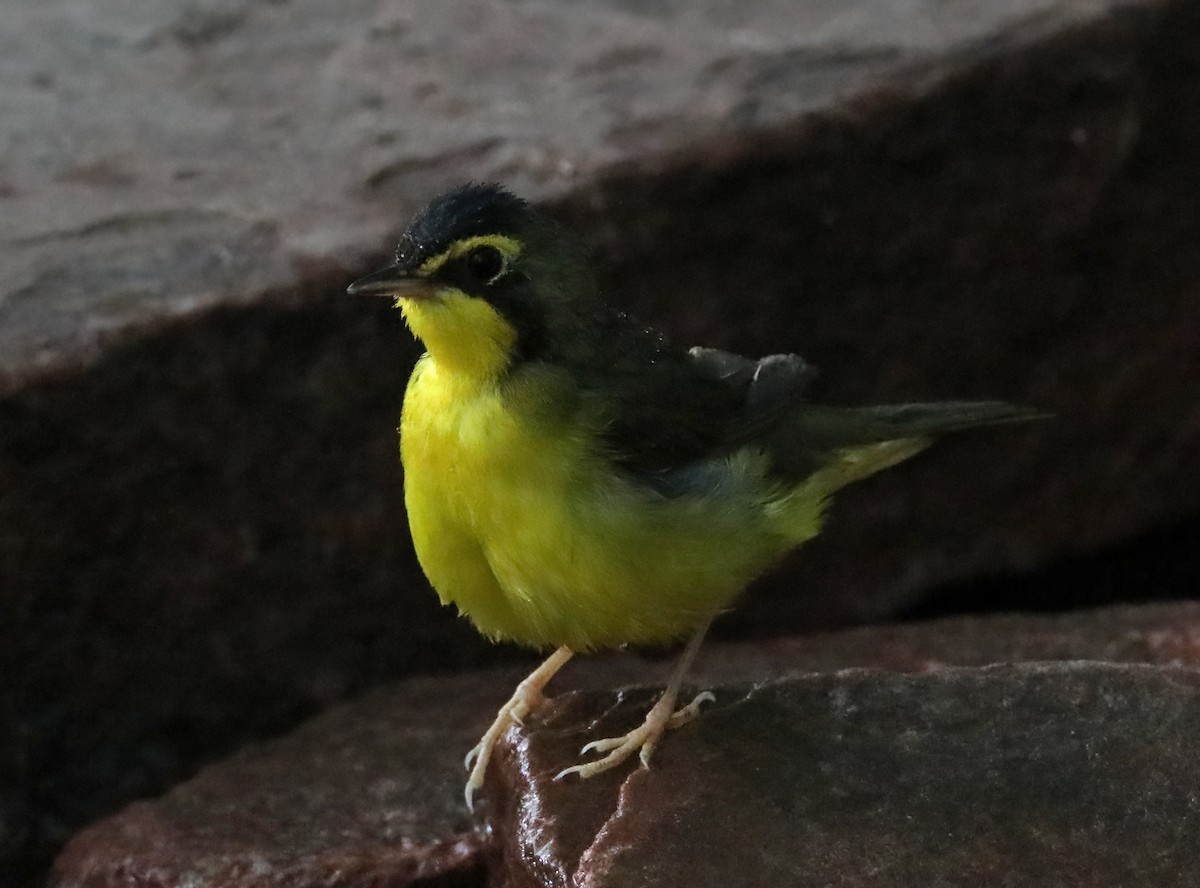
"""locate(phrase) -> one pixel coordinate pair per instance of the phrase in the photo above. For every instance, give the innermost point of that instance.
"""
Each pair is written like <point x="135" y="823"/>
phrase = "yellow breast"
<point x="519" y="521"/>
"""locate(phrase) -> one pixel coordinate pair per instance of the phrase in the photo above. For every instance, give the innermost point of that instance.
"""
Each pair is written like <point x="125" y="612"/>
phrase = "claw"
<point x="471" y="756"/>
<point x="687" y="713"/>
<point x="527" y="697"/>
<point x="645" y="752"/>
<point x="602" y="745"/>
<point x="574" y="769"/>
<point x="642" y="739"/>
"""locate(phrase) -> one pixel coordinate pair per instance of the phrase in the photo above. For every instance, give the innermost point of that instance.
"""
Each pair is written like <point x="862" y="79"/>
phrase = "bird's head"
<point x="484" y="280"/>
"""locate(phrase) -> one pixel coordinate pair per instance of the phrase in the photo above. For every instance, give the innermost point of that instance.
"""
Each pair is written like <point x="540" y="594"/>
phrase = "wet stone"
<point x="878" y="754"/>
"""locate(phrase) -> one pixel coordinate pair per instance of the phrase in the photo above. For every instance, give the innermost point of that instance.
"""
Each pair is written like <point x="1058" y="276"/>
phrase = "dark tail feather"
<point x="816" y="427"/>
<point x="906" y="420"/>
<point x="834" y="446"/>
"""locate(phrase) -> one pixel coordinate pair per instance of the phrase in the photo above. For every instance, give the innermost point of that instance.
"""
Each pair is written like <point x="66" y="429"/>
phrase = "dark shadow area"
<point x="202" y="543"/>
<point x="1033" y="233"/>
<point x="1163" y="565"/>
<point x="203" y="540"/>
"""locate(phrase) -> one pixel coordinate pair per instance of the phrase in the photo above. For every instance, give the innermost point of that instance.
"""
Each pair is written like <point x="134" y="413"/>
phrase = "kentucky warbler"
<point x="574" y="480"/>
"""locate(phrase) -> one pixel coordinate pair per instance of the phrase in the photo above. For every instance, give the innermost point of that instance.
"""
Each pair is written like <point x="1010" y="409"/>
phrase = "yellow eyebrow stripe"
<point x="509" y="246"/>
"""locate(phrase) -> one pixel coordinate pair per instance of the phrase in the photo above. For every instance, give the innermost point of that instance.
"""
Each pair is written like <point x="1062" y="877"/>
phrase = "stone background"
<point x="202" y="539"/>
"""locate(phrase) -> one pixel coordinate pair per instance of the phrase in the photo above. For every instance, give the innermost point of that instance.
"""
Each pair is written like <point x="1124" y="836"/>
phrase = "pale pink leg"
<point x="527" y="697"/>
<point x="660" y="717"/>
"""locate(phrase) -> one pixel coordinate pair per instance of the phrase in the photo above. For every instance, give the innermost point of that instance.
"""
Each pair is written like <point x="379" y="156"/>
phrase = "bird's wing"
<point x="768" y="386"/>
<point x="667" y="409"/>
<point x="669" y="413"/>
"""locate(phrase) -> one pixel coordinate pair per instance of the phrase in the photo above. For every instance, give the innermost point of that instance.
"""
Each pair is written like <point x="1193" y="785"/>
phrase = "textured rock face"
<point x="168" y="156"/>
<point x="202" y="538"/>
<point x="164" y="157"/>
<point x="1022" y="775"/>
<point x="1078" y="768"/>
<point x="367" y="796"/>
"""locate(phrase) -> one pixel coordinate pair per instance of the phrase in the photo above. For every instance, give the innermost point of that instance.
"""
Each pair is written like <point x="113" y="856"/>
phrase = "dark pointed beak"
<point x="392" y="281"/>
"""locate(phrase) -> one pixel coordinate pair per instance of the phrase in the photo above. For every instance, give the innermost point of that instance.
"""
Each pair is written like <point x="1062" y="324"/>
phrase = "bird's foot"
<point x="641" y="739"/>
<point x="514" y="712"/>
<point x="527" y="698"/>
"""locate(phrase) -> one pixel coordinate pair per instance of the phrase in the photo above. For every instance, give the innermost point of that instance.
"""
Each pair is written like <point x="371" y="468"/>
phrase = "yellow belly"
<point x="521" y="524"/>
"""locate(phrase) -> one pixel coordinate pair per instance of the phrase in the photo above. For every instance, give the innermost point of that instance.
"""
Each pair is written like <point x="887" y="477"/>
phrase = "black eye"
<point x="485" y="264"/>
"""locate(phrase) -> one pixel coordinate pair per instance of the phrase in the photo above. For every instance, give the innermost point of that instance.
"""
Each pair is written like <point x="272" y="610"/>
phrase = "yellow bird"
<point x="575" y="481"/>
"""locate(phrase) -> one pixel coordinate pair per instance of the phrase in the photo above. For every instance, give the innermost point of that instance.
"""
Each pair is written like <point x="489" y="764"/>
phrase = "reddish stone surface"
<point x="202" y="536"/>
<point x="366" y="795"/>
<point x="1023" y="775"/>
<point x="177" y="157"/>
<point x="786" y="774"/>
